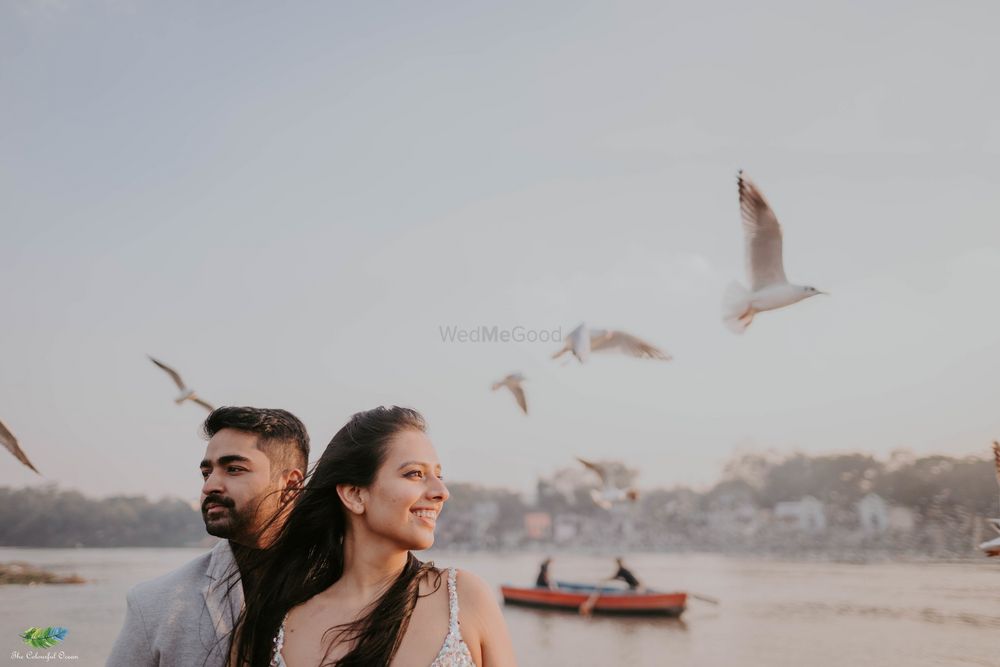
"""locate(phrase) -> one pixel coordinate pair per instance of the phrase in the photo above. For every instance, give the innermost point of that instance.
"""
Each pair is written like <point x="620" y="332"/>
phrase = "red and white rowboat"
<point x="610" y="601"/>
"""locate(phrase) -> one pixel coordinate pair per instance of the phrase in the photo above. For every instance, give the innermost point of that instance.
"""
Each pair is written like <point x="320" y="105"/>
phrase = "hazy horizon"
<point x="528" y="492"/>
<point x="286" y="203"/>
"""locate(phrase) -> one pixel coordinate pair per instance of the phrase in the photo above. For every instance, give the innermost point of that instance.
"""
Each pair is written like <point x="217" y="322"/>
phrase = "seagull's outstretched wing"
<point x="519" y="395"/>
<point x="597" y="468"/>
<point x="513" y="382"/>
<point x="577" y="342"/>
<point x="205" y="404"/>
<point x="10" y="442"/>
<point x="762" y="235"/>
<point x="627" y="343"/>
<point x="171" y="372"/>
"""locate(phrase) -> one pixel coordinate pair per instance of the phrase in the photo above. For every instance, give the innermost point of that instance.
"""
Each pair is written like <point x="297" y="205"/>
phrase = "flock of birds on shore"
<point x="769" y="290"/>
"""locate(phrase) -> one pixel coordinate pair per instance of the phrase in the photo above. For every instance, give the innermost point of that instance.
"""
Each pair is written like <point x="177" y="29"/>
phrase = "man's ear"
<point x="292" y="486"/>
<point x="353" y="498"/>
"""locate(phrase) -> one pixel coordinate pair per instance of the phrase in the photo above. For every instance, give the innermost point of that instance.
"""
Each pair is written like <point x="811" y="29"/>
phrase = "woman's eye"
<point x="415" y="473"/>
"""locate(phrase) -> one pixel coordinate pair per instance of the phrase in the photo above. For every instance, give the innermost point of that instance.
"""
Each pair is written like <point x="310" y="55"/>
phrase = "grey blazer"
<point x="184" y="618"/>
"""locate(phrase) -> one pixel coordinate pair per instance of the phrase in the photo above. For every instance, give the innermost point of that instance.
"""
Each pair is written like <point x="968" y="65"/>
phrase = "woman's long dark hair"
<point x="307" y="555"/>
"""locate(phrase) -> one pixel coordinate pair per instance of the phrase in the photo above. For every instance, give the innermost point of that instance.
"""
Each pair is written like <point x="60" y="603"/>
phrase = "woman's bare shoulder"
<point x="477" y="600"/>
<point x="473" y="589"/>
<point x="483" y="622"/>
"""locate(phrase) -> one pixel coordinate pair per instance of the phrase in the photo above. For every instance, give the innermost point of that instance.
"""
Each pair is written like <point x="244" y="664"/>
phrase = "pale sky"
<point x="286" y="201"/>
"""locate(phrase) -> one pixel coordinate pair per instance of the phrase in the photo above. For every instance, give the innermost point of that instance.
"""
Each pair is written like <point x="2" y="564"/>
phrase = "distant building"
<point x="806" y="514"/>
<point x="538" y="525"/>
<point x="877" y="516"/>
<point x="873" y="513"/>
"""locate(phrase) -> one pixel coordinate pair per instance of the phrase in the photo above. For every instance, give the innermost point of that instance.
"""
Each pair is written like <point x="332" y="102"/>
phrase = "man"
<point x="254" y="465"/>
<point x="626" y="575"/>
<point x="543" y="581"/>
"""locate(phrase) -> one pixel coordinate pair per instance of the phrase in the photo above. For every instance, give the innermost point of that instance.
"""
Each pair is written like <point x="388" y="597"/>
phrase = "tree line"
<point x="50" y="517"/>
<point x="949" y="490"/>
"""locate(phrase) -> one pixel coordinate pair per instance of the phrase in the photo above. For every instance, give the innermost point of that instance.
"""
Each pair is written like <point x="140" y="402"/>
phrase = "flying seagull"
<point x="577" y="342"/>
<point x="186" y="394"/>
<point x="581" y="341"/>
<point x="513" y="382"/>
<point x="992" y="547"/>
<point x="10" y="442"/>
<point x="609" y="494"/>
<point x="769" y="289"/>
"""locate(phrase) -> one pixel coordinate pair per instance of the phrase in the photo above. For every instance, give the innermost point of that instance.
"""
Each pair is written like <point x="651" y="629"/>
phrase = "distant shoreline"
<point x="860" y="558"/>
<point x="21" y="573"/>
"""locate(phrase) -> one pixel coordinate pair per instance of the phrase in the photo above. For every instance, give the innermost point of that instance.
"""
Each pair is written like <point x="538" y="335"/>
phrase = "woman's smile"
<point x="427" y="515"/>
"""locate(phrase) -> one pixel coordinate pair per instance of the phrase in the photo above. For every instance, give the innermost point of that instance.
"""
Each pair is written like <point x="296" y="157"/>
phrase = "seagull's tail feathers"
<point x="736" y="312"/>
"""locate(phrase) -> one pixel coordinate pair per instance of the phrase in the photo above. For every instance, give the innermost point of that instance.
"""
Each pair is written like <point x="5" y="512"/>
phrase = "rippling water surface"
<point x="772" y="612"/>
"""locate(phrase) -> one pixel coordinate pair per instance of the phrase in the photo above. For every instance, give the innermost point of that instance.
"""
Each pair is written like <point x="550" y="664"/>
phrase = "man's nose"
<point x="213" y="484"/>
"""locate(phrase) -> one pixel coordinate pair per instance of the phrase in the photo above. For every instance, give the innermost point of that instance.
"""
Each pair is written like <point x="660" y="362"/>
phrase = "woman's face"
<point x="406" y="497"/>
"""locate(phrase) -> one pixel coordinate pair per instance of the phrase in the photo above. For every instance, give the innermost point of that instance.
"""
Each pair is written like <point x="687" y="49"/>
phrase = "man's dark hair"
<point x="280" y="434"/>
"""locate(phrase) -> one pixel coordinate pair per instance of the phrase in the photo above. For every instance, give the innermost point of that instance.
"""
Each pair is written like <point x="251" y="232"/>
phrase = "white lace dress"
<point x="454" y="652"/>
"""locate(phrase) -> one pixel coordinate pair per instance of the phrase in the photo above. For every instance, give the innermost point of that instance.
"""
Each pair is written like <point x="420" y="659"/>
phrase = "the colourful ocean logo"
<point x="44" y="637"/>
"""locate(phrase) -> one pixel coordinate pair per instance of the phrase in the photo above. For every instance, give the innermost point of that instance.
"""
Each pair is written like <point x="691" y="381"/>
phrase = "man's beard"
<point x="231" y="523"/>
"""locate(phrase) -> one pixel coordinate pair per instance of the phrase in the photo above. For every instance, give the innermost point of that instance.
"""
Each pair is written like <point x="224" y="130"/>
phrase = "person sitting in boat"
<point x="626" y="575"/>
<point x="543" y="580"/>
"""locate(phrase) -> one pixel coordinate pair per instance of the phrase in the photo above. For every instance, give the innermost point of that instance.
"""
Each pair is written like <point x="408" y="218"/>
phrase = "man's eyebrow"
<point x="226" y="460"/>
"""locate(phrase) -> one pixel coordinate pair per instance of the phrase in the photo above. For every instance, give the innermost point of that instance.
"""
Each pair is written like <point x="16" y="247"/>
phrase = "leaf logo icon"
<point x="44" y="637"/>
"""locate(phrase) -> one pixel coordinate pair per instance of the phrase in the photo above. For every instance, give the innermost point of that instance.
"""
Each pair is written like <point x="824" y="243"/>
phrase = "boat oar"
<point x="588" y="605"/>
<point x="704" y="598"/>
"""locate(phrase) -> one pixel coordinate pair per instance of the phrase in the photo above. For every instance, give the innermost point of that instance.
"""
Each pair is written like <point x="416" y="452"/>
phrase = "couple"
<point x="324" y="566"/>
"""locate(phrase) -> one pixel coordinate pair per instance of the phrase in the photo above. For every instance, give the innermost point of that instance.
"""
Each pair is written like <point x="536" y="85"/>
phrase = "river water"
<point x="772" y="613"/>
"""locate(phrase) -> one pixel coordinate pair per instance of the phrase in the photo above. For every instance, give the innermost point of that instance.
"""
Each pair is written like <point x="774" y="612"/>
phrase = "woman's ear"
<point x="353" y="497"/>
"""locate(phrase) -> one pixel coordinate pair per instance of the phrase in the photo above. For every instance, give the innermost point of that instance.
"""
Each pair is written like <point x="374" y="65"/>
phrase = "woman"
<point x="339" y="585"/>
